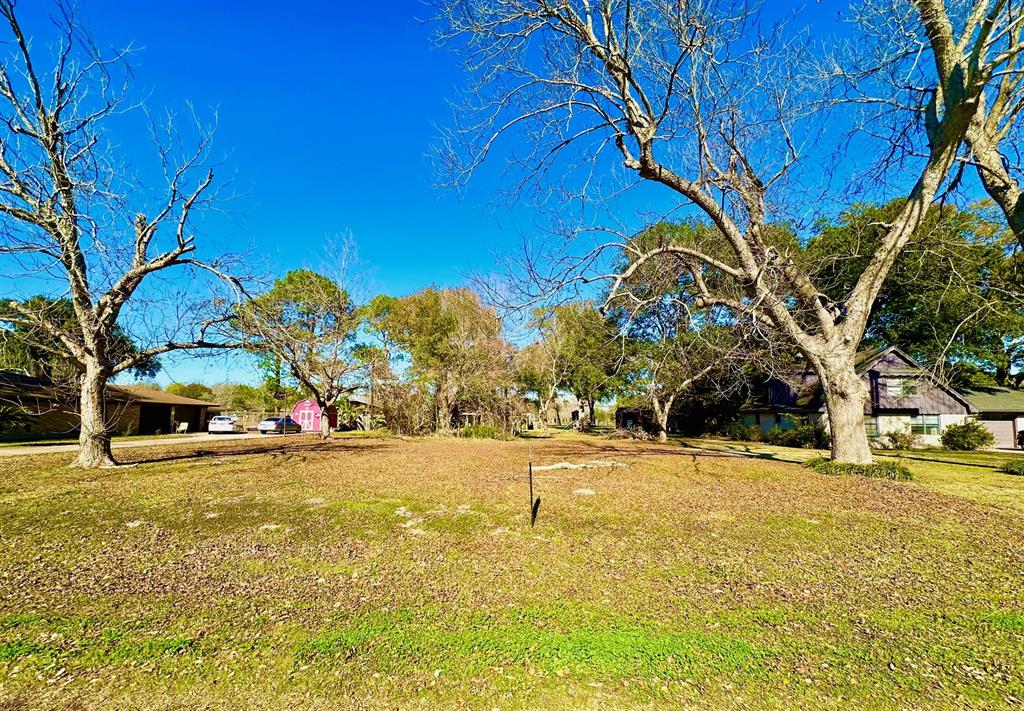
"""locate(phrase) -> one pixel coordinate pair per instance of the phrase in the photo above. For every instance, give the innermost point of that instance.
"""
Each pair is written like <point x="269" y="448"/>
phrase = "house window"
<point x="871" y="426"/>
<point x="924" y="424"/>
<point x="900" y="387"/>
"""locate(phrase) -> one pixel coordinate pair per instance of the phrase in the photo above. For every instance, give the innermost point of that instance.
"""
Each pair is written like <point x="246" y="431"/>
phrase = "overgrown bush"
<point x="404" y="409"/>
<point x="877" y="470"/>
<point x="809" y="436"/>
<point x="900" y="439"/>
<point x="481" y="432"/>
<point x="742" y="432"/>
<point x="1014" y="467"/>
<point x="966" y="436"/>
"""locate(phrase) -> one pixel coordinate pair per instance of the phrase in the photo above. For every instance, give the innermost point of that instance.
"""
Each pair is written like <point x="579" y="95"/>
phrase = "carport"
<point x="162" y="412"/>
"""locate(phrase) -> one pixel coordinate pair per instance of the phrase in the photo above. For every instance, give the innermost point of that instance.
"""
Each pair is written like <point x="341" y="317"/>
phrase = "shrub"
<point x="898" y="439"/>
<point x="13" y="419"/>
<point x="810" y="436"/>
<point x="742" y="432"/>
<point x="1014" y="467"/>
<point x="966" y="436"/>
<point x="877" y="470"/>
<point x="481" y="432"/>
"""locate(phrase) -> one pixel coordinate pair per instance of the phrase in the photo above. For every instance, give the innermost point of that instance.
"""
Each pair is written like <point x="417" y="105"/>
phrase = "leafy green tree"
<point x="534" y="374"/>
<point x="675" y="345"/>
<point x="42" y="354"/>
<point x="193" y="390"/>
<point x="952" y="299"/>
<point x="245" y="397"/>
<point x="590" y="352"/>
<point x="454" y="345"/>
<point x="13" y="418"/>
<point x="670" y="358"/>
<point x="308" y="323"/>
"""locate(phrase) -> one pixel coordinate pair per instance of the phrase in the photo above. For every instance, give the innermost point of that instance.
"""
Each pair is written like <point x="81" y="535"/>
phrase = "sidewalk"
<point x="44" y="448"/>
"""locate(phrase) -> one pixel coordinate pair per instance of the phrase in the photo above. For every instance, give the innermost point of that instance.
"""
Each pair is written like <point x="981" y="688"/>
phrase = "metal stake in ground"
<point x="534" y="503"/>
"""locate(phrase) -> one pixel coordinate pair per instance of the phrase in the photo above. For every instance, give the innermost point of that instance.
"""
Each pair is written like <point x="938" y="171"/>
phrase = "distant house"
<point x="629" y="418"/>
<point x="52" y="408"/>
<point x="1001" y="410"/>
<point x="902" y="396"/>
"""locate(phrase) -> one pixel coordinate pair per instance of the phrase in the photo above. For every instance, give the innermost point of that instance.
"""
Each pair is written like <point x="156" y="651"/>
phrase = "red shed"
<point x="307" y="414"/>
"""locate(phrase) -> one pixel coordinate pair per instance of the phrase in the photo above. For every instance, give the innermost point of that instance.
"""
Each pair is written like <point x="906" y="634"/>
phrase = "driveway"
<point x="44" y="448"/>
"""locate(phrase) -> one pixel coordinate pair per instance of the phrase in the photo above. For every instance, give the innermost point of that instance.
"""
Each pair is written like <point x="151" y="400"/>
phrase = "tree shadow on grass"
<point x="285" y="451"/>
<point x="933" y="460"/>
<point x="636" y="448"/>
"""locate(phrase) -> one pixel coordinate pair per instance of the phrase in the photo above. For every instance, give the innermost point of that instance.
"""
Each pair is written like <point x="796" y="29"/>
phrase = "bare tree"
<point x="895" y="32"/>
<point x="993" y="135"/>
<point x="75" y="222"/>
<point x="693" y="97"/>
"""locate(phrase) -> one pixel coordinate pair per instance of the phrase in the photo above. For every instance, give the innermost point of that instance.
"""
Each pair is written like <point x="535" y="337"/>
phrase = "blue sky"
<point x="327" y="112"/>
<point x="326" y="115"/>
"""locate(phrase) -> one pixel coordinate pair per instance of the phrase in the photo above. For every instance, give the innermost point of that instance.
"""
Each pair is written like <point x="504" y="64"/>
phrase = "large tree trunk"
<point x="545" y="405"/>
<point x="661" y="417"/>
<point x="445" y="409"/>
<point x="845" y="397"/>
<point x="995" y="177"/>
<point x="586" y="419"/>
<point x="325" y="421"/>
<point x="94" y="436"/>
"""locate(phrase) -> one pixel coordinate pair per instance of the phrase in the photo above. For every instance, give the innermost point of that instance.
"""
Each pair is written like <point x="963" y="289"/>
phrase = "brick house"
<point x="52" y="408"/>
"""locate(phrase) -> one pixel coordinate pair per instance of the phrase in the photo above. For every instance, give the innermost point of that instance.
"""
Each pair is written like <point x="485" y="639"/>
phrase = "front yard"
<point x="973" y="475"/>
<point x="376" y="573"/>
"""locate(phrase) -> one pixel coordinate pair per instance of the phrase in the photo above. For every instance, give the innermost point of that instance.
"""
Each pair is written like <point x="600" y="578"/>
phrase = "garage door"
<point x="1003" y="430"/>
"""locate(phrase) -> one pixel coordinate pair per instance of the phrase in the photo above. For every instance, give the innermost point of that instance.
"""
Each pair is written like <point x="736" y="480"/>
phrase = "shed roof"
<point x="995" y="399"/>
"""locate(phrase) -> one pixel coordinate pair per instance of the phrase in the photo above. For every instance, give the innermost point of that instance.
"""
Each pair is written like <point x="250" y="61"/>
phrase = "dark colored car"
<point x="278" y="425"/>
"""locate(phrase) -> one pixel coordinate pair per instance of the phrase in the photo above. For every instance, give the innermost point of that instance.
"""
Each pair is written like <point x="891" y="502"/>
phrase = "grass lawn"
<point x="381" y="573"/>
<point x="974" y="475"/>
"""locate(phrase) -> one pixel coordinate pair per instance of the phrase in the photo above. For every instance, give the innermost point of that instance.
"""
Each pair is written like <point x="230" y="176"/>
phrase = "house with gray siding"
<point x="902" y="396"/>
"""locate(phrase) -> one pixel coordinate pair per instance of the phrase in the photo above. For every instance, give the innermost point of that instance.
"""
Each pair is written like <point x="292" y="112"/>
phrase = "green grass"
<point x="973" y="475"/>
<point x="382" y="573"/>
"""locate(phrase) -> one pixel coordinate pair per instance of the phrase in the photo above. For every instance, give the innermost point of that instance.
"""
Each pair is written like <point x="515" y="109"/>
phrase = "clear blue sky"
<point x="327" y="111"/>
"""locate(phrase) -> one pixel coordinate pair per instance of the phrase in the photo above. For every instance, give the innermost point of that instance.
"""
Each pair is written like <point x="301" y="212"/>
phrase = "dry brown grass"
<point x="381" y="572"/>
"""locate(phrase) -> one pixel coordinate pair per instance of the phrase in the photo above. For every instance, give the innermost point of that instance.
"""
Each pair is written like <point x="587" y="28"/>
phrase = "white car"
<point x="225" y="424"/>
